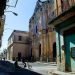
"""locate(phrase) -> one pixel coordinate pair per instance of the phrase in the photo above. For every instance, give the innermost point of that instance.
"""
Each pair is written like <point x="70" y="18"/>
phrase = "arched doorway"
<point x="54" y="51"/>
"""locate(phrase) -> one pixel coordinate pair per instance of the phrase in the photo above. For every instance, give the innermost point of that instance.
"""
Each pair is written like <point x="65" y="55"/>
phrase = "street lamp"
<point x="12" y="12"/>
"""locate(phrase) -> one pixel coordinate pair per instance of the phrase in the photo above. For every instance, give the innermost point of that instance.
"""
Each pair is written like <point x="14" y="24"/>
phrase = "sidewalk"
<point x="45" y="68"/>
<point x="45" y="63"/>
<point x="60" y="73"/>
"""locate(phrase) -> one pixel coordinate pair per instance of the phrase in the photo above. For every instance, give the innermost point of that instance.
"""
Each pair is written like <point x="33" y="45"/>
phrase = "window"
<point x="65" y="4"/>
<point x="20" y="38"/>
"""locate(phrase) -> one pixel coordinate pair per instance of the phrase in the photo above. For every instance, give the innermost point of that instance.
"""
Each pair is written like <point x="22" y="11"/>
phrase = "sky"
<point x="24" y="9"/>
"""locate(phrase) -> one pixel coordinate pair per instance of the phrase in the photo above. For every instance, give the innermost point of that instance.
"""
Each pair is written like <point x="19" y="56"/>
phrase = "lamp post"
<point x="12" y="12"/>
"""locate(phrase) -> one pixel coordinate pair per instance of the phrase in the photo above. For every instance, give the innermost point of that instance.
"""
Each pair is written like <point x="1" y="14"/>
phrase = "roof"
<point x="17" y="31"/>
<point x="38" y="6"/>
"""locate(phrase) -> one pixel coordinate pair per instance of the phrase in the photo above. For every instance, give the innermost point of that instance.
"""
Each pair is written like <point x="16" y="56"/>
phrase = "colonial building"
<point x="43" y="37"/>
<point x="2" y="18"/>
<point x="64" y="24"/>
<point x="18" y="45"/>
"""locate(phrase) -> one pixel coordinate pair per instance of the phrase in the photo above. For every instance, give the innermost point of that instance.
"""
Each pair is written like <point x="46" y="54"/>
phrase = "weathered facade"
<point x="18" y="45"/>
<point x="64" y="24"/>
<point x="43" y="37"/>
<point x="2" y="18"/>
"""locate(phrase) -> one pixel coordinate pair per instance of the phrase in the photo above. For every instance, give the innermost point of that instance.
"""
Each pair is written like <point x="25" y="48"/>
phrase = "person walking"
<point x="24" y="63"/>
<point x="16" y="64"/>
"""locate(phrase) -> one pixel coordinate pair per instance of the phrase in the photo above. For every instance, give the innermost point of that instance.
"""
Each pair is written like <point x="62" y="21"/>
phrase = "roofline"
<point x="43" y="2"/>
<point x="17" y="31"/>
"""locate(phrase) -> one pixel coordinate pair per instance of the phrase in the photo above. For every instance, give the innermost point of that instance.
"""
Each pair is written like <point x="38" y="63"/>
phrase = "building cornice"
<point x="63" y="16"/>
<point x="17" y="31"/>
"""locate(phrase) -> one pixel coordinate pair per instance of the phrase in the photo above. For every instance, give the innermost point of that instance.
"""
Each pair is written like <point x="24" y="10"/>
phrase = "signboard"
<point x="73" y="52"/>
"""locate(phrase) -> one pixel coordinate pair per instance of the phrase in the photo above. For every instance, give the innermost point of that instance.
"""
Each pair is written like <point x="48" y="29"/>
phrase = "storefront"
<point x="64" y="26"/>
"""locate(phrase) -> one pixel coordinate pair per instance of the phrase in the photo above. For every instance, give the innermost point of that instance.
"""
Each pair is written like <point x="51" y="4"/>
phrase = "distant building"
<point x="64" y="23"/>
<point x="43" y="36"/>
<point x="18" y="45"/>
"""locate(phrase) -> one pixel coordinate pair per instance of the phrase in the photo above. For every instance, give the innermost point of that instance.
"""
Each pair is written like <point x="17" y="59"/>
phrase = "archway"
<point x="54" y="51"/>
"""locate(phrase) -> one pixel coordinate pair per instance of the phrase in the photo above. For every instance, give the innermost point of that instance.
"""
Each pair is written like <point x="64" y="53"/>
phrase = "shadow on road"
<point x="7" y="68"/>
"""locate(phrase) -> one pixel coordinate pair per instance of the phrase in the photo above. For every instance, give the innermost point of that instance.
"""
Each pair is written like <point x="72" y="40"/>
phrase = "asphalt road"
<point x="7" y="68"/>
<point x="41" y="67"/>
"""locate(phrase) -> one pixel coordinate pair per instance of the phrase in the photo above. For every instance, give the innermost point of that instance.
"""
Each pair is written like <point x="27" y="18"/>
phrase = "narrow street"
<point x="38" y="68"/>
<point x="37" y="37"/>
<point x="8" y="68"/>
<point x="41" y="67"/>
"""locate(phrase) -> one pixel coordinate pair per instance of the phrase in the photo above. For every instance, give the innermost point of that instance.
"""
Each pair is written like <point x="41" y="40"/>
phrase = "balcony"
<point x="61" y="13"/>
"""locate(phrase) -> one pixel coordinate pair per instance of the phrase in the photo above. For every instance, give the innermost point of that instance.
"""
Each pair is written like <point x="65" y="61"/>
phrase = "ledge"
<point x="64" y="16"/>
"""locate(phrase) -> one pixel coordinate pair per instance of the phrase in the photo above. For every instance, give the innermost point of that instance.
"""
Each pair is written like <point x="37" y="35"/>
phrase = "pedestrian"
<point x="16" y="64"/>
<point x="24" y="63"/>
<point x="4" y="58"/>
<point x="29" y="66"/>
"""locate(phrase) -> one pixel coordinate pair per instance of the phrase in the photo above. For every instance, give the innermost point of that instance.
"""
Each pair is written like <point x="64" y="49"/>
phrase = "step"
<point x="63" y="73"/>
